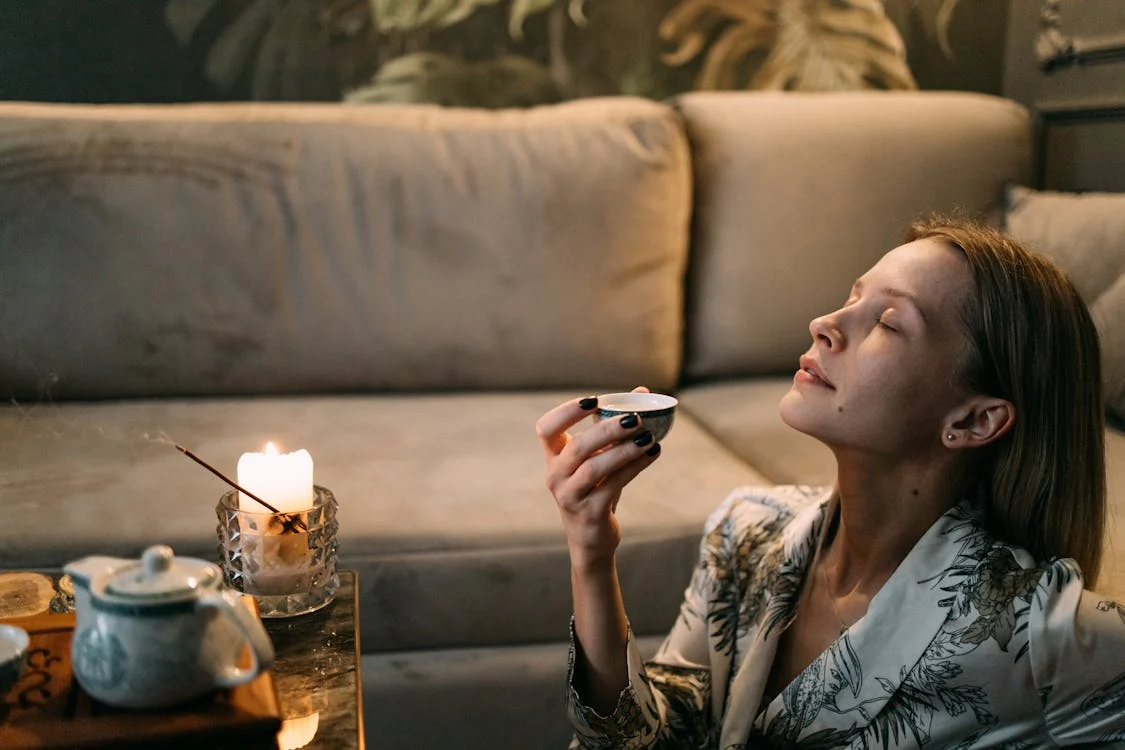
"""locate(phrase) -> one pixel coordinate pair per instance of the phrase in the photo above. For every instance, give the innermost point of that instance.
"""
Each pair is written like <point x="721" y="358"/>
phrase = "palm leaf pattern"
<point x="829" y="45"/>
<point x="811" y="45"/>
<point x="785" y="578"/>
<point x="408" y="15"/>
<point x="688" y="711"/>
<point x="626" y="729"/>
<point x="814" y="690"/>
<point x="742" y="567"/>
<point x="1109" y="698"/>
<point x="927" y="689"/>
<point x="634" y="724"/>
<point x="521" y="10"/>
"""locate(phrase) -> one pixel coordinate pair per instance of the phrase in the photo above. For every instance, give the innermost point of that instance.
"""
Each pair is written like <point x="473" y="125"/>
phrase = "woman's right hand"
<point x="586" y="473"/>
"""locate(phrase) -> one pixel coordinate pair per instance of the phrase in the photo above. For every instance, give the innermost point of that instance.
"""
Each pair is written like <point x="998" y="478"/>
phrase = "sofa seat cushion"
<point x="234" y="249"/>
<point x="743" y="415"/>
<point x="443" y="508"/>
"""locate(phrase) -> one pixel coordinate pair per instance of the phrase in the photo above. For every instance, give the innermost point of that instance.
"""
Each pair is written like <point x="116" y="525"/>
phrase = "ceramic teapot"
<point x="160" y="630"/>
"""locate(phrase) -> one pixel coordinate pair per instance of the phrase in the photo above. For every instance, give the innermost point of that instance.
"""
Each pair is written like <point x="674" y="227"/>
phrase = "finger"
<point x="593" y="471"/>
<point x="600" y="438"/>
<point x="641" y="389"/>
<point x="552" y="426"/>
<point x="609" y="491"/>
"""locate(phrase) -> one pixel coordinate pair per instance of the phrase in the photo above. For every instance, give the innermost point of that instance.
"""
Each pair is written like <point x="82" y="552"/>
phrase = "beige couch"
<point x="403" y="291"/>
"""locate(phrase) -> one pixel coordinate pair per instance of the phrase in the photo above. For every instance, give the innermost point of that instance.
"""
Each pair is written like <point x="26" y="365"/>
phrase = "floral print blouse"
<point x="969" y="644"/>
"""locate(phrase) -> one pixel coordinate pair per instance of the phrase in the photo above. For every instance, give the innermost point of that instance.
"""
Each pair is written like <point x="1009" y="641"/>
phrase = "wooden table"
<point x="316" y="672"/>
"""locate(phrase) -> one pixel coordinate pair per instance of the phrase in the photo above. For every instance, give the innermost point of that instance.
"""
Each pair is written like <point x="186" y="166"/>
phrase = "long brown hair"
<point x="1033" y="343"/>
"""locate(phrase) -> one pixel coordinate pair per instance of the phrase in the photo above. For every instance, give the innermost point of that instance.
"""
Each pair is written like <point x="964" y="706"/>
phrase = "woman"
<point x="933" y="597"/>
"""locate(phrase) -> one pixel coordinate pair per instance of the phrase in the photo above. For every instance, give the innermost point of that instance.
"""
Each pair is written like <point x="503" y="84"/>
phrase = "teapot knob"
<point x="156" y="559"/>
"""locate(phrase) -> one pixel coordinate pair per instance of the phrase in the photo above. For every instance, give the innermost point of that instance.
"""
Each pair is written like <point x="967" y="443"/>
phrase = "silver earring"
<point x="951" y="436"/>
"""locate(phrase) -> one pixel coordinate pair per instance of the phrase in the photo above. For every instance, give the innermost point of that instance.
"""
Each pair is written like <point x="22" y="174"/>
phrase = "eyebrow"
<point x="897" y="294"/>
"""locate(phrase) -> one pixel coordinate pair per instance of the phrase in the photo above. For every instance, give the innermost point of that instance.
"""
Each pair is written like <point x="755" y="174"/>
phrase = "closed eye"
<point x="881" y="323"/>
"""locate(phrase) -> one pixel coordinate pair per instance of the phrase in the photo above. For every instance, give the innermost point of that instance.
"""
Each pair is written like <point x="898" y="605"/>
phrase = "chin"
<point x="809" y="418"/>
<point x="796" y="413"/>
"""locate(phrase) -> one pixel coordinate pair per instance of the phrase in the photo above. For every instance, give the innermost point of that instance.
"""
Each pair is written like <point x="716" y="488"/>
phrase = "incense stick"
<point x="288" y="522"/>
<point x="224" y="477"/>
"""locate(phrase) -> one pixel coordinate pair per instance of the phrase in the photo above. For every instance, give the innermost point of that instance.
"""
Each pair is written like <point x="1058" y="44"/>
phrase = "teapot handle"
<point x="229" y="602"/>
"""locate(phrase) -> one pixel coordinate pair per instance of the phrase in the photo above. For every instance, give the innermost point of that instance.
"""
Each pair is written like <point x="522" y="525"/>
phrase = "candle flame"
<point x="271" y="449"/>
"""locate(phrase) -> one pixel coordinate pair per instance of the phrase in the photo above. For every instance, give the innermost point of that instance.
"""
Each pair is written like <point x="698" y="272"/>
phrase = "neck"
<point x="883" y="512"/>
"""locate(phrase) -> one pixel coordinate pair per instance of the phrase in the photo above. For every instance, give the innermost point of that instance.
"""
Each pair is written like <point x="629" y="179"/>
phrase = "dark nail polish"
<point x="654" y="450"/>
<point x="588" y="403"/>
<point x="629" y="421"/>
<point x="644" y="437"/>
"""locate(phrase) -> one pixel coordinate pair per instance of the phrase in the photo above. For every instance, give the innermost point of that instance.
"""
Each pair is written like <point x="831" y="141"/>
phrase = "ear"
<point x="978" y="422"/>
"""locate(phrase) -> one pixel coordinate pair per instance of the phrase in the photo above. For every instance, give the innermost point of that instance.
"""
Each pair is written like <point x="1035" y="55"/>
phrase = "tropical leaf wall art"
<point x="473" y="52"/>
<point x="508" y="80"/>
<point x="275" y="50"/>
<point x="803" y="45"/>
<point x="411" y="15"/>
<point x="435" y="78"/>
<point x="749" y="25"/>
<point x="935" y="17"/>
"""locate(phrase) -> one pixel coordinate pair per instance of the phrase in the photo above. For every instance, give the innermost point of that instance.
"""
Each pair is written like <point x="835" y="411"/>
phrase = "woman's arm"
<point x="586" y="474"/>
<point x="616" y="701"/>
<point x="601" y="631"/>
<point x="666" y="703"/>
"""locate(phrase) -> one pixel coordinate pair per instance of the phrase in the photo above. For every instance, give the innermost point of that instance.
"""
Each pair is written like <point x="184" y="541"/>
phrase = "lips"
<point x="812" y="373"/>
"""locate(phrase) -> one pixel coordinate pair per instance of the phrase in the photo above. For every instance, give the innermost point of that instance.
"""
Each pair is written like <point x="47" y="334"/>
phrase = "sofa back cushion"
<point x="251" y="248"/>
<point x="1084" y="233"/>
<point x="798" y="194"/>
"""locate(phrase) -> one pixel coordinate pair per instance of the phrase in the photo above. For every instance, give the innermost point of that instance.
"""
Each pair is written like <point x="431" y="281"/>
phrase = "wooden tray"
<point x="48" y="709"/>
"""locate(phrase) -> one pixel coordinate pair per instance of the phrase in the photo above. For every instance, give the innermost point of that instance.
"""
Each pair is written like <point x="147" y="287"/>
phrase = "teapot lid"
<point x="160" y="576"/>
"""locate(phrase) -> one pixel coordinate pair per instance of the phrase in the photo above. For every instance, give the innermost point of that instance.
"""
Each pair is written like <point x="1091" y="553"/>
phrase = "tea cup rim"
<point x="660" y="402"/>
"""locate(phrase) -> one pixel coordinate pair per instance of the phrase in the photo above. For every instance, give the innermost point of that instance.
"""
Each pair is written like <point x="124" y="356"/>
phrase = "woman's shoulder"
<point x="1030" y="621"/>
<point x="1006" y="580"/>
<point x="986" y="564"/>
<point x="992" y="554"/>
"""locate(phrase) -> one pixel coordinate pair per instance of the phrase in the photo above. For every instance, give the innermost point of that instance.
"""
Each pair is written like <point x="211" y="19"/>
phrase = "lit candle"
<point x="281" y="557"/>
<point x="284" y="480"/>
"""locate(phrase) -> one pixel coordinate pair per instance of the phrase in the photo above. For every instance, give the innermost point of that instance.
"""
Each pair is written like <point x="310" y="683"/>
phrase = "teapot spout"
<point x="83" y="571"/>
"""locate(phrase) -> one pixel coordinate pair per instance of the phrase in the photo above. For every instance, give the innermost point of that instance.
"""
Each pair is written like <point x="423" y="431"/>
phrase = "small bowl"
<point x="14" y="643"/>
<point x="656" y="410"/>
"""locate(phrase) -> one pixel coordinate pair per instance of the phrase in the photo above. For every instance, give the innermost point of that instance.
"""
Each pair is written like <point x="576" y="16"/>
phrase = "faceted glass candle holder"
<point x="286" y="561"/>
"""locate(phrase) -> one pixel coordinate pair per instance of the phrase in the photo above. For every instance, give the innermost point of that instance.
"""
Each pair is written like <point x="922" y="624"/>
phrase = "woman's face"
<point x="881" y="374"/>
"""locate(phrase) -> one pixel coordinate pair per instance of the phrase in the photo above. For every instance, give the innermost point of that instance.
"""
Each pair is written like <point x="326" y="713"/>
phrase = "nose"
<point x="825" y="331"/>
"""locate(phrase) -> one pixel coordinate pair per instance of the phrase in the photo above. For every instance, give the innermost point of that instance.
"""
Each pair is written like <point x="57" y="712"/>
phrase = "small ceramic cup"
<point x="656" y="410"/>
<point x="14" y="643"/>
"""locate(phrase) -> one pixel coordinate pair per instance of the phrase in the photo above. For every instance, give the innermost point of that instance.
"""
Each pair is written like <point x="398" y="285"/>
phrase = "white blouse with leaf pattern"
<point x="969" y="644"/>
